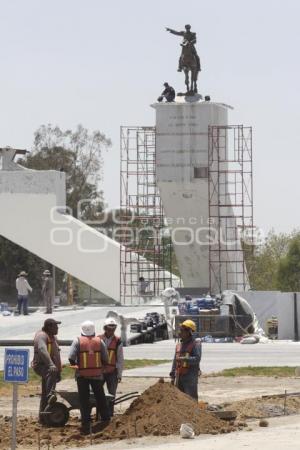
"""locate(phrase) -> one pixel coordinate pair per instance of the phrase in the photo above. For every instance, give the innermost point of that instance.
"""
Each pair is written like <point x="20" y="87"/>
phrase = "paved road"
<point x="215" y="356"/>
<point x="24" y="327"/>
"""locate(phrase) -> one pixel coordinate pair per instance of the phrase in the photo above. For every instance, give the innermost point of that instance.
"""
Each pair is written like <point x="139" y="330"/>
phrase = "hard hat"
<point x="189" y="324"/>
<point x="46" y="272"/>
<point x="88" y="328"/>
<point x="110" y="322"/>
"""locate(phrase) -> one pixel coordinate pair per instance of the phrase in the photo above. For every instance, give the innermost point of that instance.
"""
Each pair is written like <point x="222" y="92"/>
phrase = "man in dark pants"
<point x="186" y="363"/>
<point x="47" y="291"/>
<point x="23" y="289"/>
<point x="47" y="363"/>
<point x="168" y="93"/>
<point x="89" y="354"/>
<point x="114" y="368"/>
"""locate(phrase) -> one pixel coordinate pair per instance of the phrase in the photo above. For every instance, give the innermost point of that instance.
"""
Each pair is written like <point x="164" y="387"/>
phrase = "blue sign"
<point x="16" y="363"/>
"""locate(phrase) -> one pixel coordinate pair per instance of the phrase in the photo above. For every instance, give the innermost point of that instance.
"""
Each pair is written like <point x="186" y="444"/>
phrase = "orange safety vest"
<point x="50" y="346"/>
<point x="90" y="363"/>
<point x="112" y="354"/>
<point x="182" y="367"/>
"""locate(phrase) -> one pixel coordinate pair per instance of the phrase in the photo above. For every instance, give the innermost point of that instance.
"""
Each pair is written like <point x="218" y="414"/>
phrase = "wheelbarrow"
<point x="58" y="413"/>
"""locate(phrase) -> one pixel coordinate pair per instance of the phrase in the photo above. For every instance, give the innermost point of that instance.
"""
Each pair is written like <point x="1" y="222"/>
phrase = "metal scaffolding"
<point x="231" y="230"/>
<point x="146" y="249"/>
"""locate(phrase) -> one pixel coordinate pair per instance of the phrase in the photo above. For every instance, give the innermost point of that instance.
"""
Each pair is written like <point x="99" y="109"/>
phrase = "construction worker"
<point x="114" y="368"/>
<point x="168" y="93"/>
<point x="186" y="363"/>
<point x="47" y="363"/>
<point x="23" y="289"/>
<point x="47" y="291"/>
<point x="88" y="354"/>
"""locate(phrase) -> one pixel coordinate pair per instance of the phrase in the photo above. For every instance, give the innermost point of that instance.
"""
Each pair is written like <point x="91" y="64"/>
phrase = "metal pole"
<point x="14" y="417"/>
<point x="285" y="397"/>
<point x="296" y="328"/>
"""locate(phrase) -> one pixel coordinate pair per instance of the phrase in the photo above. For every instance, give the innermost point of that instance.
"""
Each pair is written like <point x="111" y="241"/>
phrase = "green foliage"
<point x="13" y="259"/>
<point x="264" y="268"/>
<point x="288" y="277"/>
<point x="284" y="371"/>
<point x="77" y="153"/>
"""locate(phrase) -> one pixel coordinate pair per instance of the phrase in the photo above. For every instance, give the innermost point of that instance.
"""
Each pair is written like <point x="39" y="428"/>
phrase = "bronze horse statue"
<point x="189" y="64"/>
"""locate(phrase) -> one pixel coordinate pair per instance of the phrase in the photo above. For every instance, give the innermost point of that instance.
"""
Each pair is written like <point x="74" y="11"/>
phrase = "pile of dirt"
<point x="160" y="411"/>
<point x="257" y="408"/>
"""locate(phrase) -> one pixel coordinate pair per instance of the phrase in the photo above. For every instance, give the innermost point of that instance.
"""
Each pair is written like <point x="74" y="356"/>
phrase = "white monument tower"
<point x="204" y="176"/>
<point x="193" y="173"/>
<point x="195" y="202"/>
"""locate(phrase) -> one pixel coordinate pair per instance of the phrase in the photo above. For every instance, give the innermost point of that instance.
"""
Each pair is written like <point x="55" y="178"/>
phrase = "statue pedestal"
<point x="182" y="178"/>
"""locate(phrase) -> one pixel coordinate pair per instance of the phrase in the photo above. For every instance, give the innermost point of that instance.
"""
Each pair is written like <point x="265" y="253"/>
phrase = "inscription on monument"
<point x="182" y="120"/>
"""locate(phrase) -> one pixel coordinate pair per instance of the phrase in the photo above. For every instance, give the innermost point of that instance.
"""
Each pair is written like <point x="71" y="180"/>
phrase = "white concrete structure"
<point x="32" y="205"/>
<point x="182" y="176"/>
<point x="266" y="304"/>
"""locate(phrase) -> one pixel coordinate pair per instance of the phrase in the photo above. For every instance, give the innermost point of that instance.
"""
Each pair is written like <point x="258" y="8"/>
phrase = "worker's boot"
<point x="86" y="428"/>
<point x="42" y="419"/>
<point x="51" y="399"/>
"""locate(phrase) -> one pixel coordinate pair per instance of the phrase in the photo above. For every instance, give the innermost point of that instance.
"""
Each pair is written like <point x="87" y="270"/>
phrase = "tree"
<point x="13" y="259"/>
<point x="264" y="265"/>
<point x="288" y="276"/>
<point x="79" y="154"/>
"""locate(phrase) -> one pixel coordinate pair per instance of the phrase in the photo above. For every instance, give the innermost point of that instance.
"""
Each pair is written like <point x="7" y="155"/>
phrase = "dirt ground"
<point x="213" y="390"/>
<point x="233" y="392"/>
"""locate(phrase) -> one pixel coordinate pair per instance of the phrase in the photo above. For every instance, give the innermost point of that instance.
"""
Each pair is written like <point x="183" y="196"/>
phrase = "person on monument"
<point x="88" y="354"/>
<point x="168" y="93"/>
<point x="189" y="38"/>
<point x="186" y="364"/>
<point x="47" y="363"/>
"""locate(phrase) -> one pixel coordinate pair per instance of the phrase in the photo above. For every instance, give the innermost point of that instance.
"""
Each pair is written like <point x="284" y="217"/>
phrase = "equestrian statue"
<point x="189" y="61"/>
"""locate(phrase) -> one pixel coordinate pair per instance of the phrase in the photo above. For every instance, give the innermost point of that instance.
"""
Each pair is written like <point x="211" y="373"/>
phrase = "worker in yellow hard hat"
<point x="186" y="363"/>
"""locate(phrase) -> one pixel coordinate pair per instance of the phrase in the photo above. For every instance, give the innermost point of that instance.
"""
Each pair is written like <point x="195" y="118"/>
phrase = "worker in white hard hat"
<point x="114" y="368"/>
<point x="186" y="363"/>
<point x="88" y="354"/>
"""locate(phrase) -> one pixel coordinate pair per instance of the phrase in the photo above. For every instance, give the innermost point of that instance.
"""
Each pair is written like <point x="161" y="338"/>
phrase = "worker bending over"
<point x="89" y="354"/>
<point x="114" y="368"/>
<point x="186" y="363"/>
<point x="47" y="363"/>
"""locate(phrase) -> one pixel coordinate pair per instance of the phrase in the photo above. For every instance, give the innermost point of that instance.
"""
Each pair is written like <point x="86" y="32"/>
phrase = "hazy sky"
<point x="103" y="63"/>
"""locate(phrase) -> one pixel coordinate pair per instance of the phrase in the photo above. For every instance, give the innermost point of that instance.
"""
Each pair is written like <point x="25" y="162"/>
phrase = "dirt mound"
<point x="160" y="411"/>
<point x="257" y="408"/>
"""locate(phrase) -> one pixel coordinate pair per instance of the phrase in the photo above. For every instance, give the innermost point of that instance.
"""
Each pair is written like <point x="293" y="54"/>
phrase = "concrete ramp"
<point x="33" y="216"/>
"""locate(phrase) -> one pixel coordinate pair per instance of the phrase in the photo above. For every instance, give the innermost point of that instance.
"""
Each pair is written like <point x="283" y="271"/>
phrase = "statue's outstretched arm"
<point x="178" y="33"/>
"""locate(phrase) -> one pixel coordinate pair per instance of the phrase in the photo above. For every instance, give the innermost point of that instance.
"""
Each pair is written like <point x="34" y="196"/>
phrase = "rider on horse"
<point x="189" y="38"/>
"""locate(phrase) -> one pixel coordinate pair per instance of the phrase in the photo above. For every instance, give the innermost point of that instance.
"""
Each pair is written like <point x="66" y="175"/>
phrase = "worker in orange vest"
<point x="47" y="363"/>
<point x="186" y="363"/>
<point x="89" y="354"/>
<point x="114" y="368"/>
